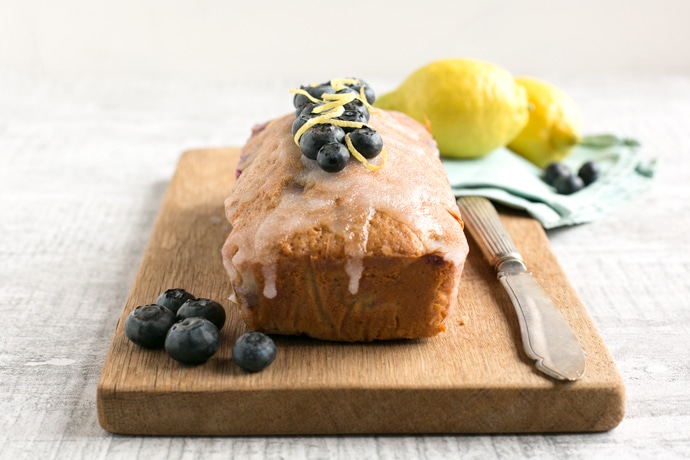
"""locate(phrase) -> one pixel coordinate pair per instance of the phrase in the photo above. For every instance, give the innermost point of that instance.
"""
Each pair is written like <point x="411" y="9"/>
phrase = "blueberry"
<point x="254" y="351"/>
<point x="302" y="116"/>
<point x="307" y="109"/>
<point x="300" y="100"/>
<point x="203" y="308"/>
<point x="368" y="92"/>
<point x="367" y="141"/>
<point x="567" y="185"/>
<point x="298" y="123"/>
<point x="147" y="325"/>
<point x="353" y="115"/>
<point x="554" y="171"/>
<point x="333" y="157"/>
<point x="173" y="299"/>
<point x="347" y="89"/>
<point x="358" y="106"/>
<point x="319" y="135"/>
<point x="588" y="172"/>
<point x="192" y="341"/>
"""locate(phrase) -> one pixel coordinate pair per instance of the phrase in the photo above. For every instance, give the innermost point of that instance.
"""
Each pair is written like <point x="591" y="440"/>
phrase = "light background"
<point x="230" y="39"/>
<point x="98" y="99"/>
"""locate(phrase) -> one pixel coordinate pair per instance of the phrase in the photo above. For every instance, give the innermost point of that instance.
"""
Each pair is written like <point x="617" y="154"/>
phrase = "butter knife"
<point x="546" y="335"/>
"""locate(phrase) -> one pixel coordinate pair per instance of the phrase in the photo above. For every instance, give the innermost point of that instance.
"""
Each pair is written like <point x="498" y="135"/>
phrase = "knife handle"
<point x="486" y="228"/>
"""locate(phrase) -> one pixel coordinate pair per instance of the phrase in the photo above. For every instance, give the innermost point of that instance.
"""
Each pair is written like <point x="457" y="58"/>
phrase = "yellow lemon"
<point x="553" y="128"/>
<point x="471" y="107"/>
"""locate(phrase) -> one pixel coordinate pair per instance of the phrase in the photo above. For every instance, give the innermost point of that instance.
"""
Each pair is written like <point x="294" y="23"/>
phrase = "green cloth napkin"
<point x="509" y="179"/>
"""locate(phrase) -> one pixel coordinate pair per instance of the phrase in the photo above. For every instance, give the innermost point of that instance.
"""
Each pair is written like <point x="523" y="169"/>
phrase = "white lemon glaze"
<point x="344" y="203"/>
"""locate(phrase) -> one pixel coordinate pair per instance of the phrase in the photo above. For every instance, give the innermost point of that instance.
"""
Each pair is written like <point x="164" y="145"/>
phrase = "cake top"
<point x="300" y="193"/>
<point x="284" y="204"/>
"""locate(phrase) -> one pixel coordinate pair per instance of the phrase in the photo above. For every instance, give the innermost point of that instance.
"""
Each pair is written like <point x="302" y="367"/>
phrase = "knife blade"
<point x="547" y="338"/>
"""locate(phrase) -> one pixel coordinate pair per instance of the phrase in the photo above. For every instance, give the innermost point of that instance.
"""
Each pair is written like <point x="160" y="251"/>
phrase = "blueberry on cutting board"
<point x="203" y="308"/>
<point x="148" y="325"/>
<point x="173" y="299"/>
<point x="192" y="341"/>
<point x="254" y="351"/>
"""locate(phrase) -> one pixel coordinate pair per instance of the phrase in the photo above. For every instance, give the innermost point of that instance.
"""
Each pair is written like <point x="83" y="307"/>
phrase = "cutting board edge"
<point x="364" y="411"/>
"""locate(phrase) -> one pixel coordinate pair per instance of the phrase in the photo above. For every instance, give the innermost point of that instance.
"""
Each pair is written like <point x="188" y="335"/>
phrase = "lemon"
<point x="553" y="128"/>
<point x="471" y="107"/>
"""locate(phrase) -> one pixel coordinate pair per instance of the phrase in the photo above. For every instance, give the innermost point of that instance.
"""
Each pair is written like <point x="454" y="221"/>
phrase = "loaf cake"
<point x="362" y="254"/>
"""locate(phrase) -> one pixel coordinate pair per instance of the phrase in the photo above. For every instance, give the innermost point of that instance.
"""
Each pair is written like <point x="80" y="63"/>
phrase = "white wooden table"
<point x="83" y="169"/>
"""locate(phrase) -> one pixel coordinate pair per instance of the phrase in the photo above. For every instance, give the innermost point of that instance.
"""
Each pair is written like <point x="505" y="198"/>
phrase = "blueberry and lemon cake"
<point x="344" y="226"/>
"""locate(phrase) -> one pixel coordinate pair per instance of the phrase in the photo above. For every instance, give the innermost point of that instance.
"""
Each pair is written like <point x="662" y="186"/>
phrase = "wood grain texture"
<point x="472" y="379"/>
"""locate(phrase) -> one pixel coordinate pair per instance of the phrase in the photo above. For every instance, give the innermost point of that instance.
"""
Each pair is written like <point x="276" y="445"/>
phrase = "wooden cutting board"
<point x="474" y="378"/>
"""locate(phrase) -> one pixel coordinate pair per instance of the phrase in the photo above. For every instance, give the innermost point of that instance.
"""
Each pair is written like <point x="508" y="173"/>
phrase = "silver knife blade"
<point x="547" y="338"/>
